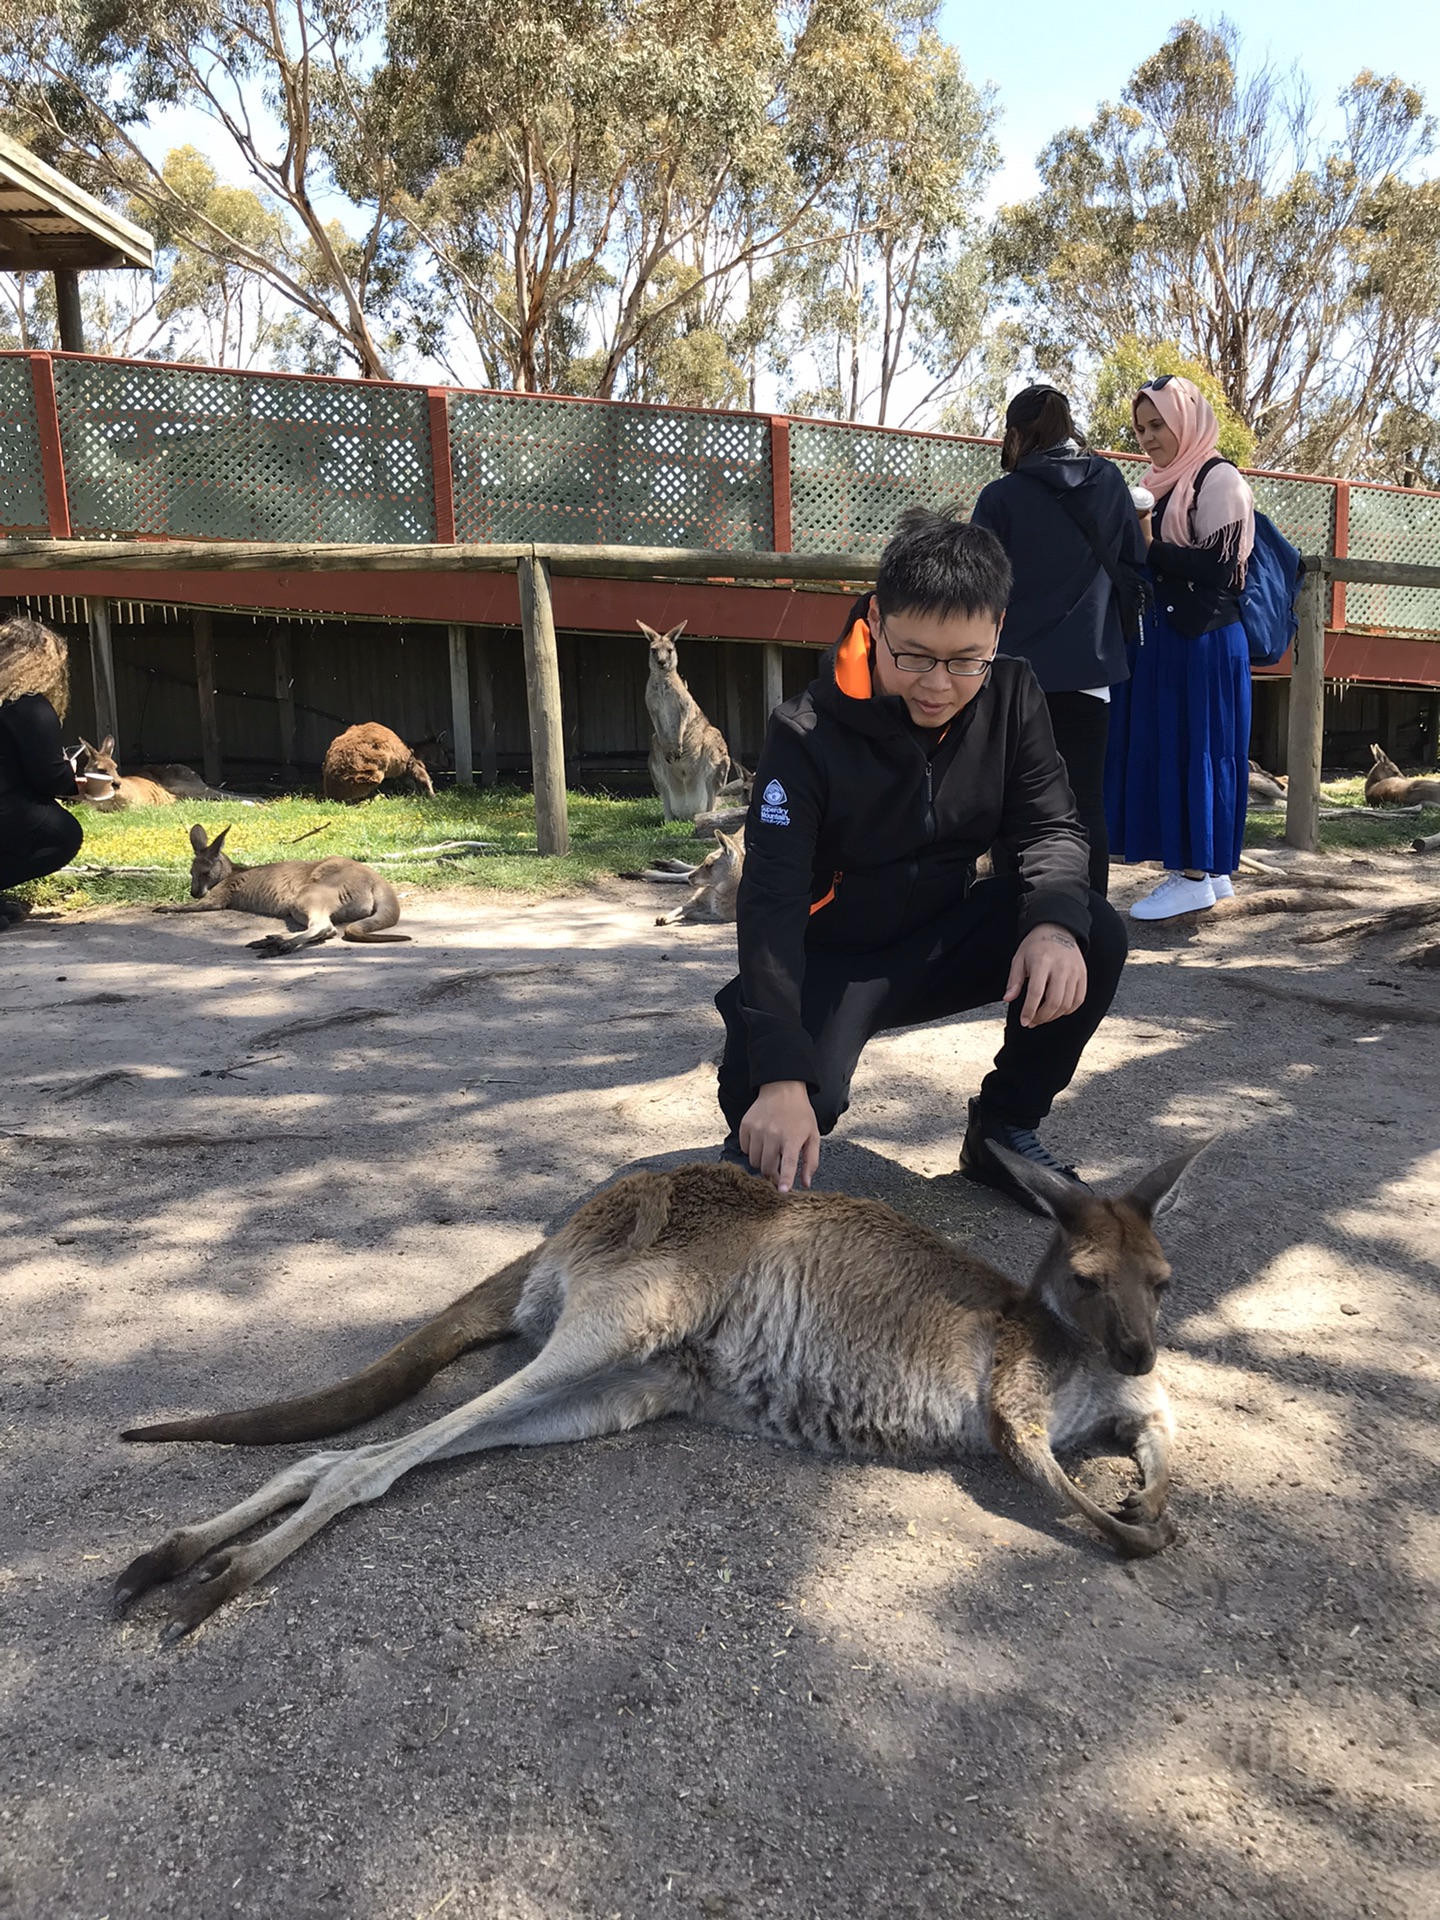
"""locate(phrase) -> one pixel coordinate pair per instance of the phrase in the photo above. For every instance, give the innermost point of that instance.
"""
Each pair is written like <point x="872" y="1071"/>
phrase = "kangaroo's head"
<point x="420" y="774"/>
<point x="211" y="864"/>
<point x="1384" y="767"/>
<point x="92" y="763"/>
<point x="662" y="646"/>
<point x="1104" y="1272"/>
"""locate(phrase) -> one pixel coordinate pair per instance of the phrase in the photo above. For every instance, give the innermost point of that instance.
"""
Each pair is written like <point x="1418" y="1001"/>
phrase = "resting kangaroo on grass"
<point x="318" y="897"/>
<point x="811" y="1318"/>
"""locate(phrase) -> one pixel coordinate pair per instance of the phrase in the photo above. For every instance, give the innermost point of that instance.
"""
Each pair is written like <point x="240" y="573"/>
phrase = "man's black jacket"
<point x="847" y="798"/>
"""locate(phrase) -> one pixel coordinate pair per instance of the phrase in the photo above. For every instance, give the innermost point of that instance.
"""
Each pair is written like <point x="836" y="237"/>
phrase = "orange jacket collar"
<point x="852" y="663"/>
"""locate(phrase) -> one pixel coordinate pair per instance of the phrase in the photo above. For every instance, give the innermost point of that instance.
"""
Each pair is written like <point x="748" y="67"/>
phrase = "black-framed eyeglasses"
<point x="925" y="662"/>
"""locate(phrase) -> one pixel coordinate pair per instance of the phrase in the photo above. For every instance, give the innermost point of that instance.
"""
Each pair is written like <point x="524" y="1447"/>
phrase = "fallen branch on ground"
<point x="1429" y="843"/>
<point x="1246" y="906"/>
<point x="1409" y="1012"/>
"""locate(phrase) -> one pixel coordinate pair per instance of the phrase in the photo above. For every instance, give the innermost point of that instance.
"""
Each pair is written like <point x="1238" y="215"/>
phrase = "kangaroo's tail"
<point x="363" y="939"/>
<point x="487" y="1312"/>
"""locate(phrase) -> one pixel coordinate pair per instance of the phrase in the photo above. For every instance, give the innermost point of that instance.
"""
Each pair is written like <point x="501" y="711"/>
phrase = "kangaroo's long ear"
<point x="107" y="745"/>
<point x="218" y="842"/>
<point x="675" y="632"/>
<point x="1153" y="1194"/>
<point x="1064" y="1200"/>
<point x="198" y="840"/>
<point x="649" y="632"/>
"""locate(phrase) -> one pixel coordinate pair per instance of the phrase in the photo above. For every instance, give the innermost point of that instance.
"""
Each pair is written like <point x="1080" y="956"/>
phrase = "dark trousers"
<point x="1081" y="725"/>
<point x="36" y="837"/>
<point x="959" y="961"/>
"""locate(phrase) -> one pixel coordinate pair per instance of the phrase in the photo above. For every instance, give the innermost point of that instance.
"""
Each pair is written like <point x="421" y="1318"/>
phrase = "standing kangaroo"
<point x="689" y="760"/>
<point x="811" y="1318"/>
<point x="320" y="898"/>
<point x="1386" y="786"/>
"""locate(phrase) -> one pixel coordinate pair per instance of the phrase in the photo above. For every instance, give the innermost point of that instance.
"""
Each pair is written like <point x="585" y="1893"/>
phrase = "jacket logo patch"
<point x="773" y="810"/>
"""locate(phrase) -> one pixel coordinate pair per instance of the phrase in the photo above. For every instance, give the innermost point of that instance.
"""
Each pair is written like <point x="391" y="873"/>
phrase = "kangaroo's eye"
<point x="1084" y="1282"/>
<point x="1160" y="1286"/>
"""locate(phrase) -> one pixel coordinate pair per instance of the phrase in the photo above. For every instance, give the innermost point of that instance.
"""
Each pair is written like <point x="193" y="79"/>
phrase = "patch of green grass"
<point x="607" y="836"/>
<point x="1267" y="827"/>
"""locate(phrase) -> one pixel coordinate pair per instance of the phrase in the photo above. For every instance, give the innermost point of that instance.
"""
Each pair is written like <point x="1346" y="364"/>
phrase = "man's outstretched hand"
<point x="779" y="1137"/>
<point x="1049" y="969"/>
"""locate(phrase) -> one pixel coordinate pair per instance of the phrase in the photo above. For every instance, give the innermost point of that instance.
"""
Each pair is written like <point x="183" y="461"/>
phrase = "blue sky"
<point x="1054" y="61"/>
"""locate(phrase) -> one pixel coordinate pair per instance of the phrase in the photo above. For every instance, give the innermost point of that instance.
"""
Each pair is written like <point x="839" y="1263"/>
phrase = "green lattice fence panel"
<point x="1303" y="510"/>
<point x="537" y="469"/>
<point x="1388" y="524"/>
<point x="849" y="485"/>
<point x="192" y="453"/>
<point x="22" y="490"/>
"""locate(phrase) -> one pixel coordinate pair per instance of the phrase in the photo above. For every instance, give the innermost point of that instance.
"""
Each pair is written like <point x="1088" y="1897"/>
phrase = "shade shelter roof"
<point x="48" y="224"/>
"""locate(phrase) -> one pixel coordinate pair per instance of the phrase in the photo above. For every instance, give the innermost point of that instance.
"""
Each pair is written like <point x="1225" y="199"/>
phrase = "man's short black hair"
<point x="936" y="563"/>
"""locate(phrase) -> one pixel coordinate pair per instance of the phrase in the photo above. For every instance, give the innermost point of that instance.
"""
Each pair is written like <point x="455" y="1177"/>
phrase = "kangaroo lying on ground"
<point x="147" y="786"/>
<point x="360" y="761"/>
<point x="811" y="1318"/>
<point x="689" y="760"/>
<point x="1386" y="786"/>
<point x="1266" y="789"/>
<point x="319" y="897"/>
<point x="716" y="881"/>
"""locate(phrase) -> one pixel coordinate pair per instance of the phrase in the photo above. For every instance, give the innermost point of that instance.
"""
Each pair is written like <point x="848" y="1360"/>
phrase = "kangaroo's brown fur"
<point x="319" y="898"/>
<point x="715" y="883"/>
<point x="811" y="1318"/>
<point x="360" y="761"/>
<point x="158" y="786"/>
<point x="1266" y="789"/>
<point x="689" y="760"/>
<point x="1386" y="786"/>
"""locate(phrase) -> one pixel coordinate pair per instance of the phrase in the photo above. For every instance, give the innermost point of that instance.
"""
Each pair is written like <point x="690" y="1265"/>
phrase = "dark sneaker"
<point x="732" y="1154"/>
<point x="979" y="1164"/>
<point x="12" y="911"/>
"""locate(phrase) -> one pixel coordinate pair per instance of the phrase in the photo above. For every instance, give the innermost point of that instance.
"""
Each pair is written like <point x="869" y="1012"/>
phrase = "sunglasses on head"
<point x="1154" y="386"/>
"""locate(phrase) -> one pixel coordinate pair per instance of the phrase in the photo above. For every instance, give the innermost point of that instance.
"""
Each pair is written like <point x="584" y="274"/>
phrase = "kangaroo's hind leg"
<point x="546" y="1401"/>
<point x="365" y="920"/>
<point x="311" y="914"/>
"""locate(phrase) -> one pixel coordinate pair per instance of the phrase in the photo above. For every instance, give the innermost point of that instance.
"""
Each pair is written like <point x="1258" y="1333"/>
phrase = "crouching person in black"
<point x="37" y="835"/>
<point x="879" y="787"/>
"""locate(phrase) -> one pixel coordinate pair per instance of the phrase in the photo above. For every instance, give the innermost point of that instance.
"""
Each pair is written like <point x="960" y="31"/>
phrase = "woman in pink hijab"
<point x="1178" y="771"/>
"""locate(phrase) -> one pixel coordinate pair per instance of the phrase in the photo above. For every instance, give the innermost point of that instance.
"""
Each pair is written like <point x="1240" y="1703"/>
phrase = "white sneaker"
<point x="1175" y="894"/>
<point x="1223" y="886"/>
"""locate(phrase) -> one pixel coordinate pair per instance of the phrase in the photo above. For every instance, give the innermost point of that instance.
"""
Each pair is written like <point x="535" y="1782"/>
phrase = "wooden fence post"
<point x="542" y="696"/>
<point x="485" y="701"/>
<point x="460" y="708"/>
<point x="205" y="688"/>
<point x="774" y="672"/>
<point x="102" y="671"/>
<point x="1307" y="715"/>
<point x="285" y="696"/>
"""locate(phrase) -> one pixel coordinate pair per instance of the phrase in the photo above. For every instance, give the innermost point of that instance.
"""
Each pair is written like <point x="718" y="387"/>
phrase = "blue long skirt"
<point x="1177" y="774"/>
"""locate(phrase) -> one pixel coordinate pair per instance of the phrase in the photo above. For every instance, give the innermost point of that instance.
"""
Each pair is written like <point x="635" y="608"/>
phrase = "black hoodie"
<point x="859" y="833"/>
<point x="1063" y="616"/>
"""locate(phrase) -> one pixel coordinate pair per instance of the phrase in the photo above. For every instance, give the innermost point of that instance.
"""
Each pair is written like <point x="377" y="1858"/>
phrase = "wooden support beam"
<point x="460" y="707"/>
<point x="773" y="668"/>
<point x="200" y="626"/>
<point x="485" y="703"/>
<point x="67" y="310"/>
<point x="542" y="696"/>
<point x="1307" y="716"/>
<point x="285" y="695"/>
<point x="1382" y="573"/>
<point x="102" y="670"/>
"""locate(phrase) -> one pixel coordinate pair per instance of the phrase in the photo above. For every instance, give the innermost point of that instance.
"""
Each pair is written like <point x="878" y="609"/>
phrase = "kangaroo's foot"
<point x="277" y="943"/>
<point x="1028" y="1451"/>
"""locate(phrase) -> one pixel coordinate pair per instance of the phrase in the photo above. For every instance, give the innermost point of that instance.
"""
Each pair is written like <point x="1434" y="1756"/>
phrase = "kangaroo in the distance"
<point x="148" y="786"/>
<point x="689" y="760"/>
<point x="1266" y="789"/>
<point x="715" y="883"/>
<point x="363" y="759"/>
<point x="319" y="898"/>
<point x="1386" y="786"/>
<point x="811" y="1318"/>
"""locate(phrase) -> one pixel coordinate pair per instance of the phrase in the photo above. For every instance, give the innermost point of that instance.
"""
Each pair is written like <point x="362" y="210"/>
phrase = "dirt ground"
<point x="682" y="1673"/>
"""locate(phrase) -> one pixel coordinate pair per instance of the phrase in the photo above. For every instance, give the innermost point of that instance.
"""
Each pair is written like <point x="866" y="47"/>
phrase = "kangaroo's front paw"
<point x="272" y="944"/>
<point x="1142" y="1507"/>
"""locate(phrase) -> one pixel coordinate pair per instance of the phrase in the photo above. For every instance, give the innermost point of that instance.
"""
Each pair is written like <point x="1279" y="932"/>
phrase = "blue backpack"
<point x="1272" y="583"/>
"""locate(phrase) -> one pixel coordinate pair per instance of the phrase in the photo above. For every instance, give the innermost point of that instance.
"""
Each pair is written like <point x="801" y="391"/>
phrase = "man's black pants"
<point x="36" y="837"/>
<point x="1081" y="725"/>
<point x="959" y="961"/>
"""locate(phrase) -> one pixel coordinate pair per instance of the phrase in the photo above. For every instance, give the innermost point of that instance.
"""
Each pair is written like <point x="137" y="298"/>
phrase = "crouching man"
<point x="915" y="750"/>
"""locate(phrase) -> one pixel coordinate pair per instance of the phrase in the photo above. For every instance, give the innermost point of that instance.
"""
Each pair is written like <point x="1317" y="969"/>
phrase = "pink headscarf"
<point x="1224" y="510"/>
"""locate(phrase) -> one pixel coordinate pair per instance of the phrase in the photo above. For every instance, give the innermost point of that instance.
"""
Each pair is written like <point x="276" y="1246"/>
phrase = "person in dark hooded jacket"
<point x="878" y="788"/>
<point x="37" y="835"/>
<point x="1066" y="520"/>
